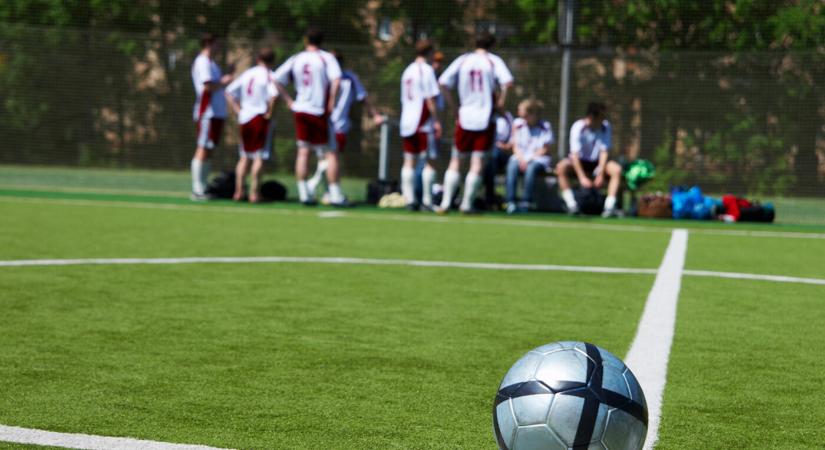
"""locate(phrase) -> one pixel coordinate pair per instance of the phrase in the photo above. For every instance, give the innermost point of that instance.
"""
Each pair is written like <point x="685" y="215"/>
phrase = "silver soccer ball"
<point x="570" y="395"/>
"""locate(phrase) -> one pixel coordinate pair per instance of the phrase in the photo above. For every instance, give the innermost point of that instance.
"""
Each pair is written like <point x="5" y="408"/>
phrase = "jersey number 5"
<point x="307" y="75"/>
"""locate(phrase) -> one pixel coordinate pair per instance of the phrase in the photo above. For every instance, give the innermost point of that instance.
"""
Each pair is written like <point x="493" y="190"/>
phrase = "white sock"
<point x="569" y="199"/>
<point x="470" y="187"/>
<point x="427" y="180"/>
<point x="451" y="181"/>
<point x="198" y="186"/>
<point x="303" y="191"/>
<point x="318" y="176"/>
<point x="335" y="194"/>
<point x="205" y="167"/>
<point x="407" y="184"/>
<point x="610" y="203"/>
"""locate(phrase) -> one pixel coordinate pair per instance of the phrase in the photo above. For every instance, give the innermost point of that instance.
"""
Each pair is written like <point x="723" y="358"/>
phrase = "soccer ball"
<point x="570" y="395"/>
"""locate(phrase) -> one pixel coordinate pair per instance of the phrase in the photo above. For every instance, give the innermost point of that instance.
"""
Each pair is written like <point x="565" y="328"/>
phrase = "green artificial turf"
<point x="746" y="368"/>
<point x="287" y="356"/>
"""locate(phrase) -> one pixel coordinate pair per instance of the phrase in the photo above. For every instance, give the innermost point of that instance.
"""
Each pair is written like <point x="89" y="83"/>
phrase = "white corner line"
<point x="20" y="435"/>
<point x="756" y="277"/>
<point x="650" y="351"/>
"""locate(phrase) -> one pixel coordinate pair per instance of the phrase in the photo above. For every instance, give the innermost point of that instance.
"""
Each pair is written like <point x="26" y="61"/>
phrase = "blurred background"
<point x="726" y="94"/>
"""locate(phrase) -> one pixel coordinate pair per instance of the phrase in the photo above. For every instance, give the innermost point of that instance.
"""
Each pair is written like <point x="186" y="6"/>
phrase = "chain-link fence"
<point x="746" y="123"/>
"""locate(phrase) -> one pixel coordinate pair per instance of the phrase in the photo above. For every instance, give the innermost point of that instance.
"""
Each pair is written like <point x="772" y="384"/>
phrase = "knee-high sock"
<point x="407" y="184"/>
<point x="335" y="194"/>
<point x="451" y="181"/>
<point x="610" y="203"/>
<point x="427" y="180"/>
<point x="569" y="199"/>
<point x="303" y="191"/>
<point x="196" y="167"/>
<point x="318" y="176"/>
<point x="205" y="167"/>
<point x="471" y="185"/>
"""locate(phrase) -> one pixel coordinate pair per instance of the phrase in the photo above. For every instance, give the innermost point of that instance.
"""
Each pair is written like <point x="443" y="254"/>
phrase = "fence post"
<point x="384" y="150"/>
<point x="566" y="16"/>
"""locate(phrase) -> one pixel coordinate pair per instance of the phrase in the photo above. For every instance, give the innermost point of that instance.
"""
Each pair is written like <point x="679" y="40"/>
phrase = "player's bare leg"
<point x="473" y="181"/>
<point x="240" y="175"/>
<point x="452" y="180"/>
<point x="301" y="162"/>
<point x="318" y="176"/>
<point x="614" y="171"/>
<point x="336" y="196"/>
<point x="562" y="169"/>
<point x="255" y="183"/>
<point x="200" y="171"/>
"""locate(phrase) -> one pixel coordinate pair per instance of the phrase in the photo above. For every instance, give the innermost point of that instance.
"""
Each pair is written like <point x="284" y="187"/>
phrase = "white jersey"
<point x="312" y="72"/>
<point x="588" y="143"/>
<point x="207" y="104"/>
<point x="529" y="140"/>
<point x="418" y="83"/>
<point x="477" y="75"/>
<point x="254" y="89"/>
<point x="351" y="91"/>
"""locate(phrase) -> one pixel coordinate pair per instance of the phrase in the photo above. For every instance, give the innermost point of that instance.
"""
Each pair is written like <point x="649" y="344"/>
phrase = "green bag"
<point x="638" y="173"/>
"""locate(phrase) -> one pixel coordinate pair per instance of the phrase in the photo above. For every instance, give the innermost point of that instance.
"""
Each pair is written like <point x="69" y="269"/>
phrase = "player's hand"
<point x="599" y="180"/>
<point x="522" y="164"/>
<point x="437" y="128"/>
<point x="585" y="182"/>
<point x="330" y="106"/>
<point x="378" y="119"/>
<point x="289" y="101"/>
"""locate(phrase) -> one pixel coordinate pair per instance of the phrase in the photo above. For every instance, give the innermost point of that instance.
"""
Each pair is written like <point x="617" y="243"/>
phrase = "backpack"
<point x="738" y="209"/>
<point x="273" y="191"/>
<point x="222" y="185"/>
<point x="379" y="188"/>
<point x="590" y="201"/>
<point x="638" y="173"/>
<point x="656" y="205"/>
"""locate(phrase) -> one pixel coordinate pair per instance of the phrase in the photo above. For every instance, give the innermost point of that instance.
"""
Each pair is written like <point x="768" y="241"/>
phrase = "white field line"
<point x="354" y="214"/>
<point x="395" y="262"/>
<point x="19" y="435"/>
<point x="649" y="353"/>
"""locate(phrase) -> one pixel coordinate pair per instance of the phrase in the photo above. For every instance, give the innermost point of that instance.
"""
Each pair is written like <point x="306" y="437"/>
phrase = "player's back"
<point x="253" y="89"/>
<point x="476" y="75"/>
<point x="312" y="71"/>
<point x="207" y="103"/>
<point x="418" y="83"/>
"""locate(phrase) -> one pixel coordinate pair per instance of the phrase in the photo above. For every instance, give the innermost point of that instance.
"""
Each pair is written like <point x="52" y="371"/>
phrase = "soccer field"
<point x="272" y="326"/>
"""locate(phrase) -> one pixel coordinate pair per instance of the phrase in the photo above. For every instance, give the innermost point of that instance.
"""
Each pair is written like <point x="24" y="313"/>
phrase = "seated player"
<point x="350" y="91"/>
<point x="252" y="97"/>
<point x="502" y="150"/>
<point x="419" y="124"/>
<point x="531" y="141"/>
<point x="590" y="141"/>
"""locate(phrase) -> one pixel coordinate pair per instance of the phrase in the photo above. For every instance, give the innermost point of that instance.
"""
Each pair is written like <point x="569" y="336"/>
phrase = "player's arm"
<point x="448" y="96"/>
<point x="603" y="153"/>
<point x="502" y="98"/>
<point x="377" y="117"/>
<point x="433" y="107"/>
<point x="233" y="103"/>
<point x="333" y="94"/>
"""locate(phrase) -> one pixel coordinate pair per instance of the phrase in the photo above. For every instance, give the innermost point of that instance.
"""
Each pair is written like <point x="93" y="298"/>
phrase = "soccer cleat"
<point x="310" y="202"/>
<point x="512" y="208"/>
<point x="440" y="211"/>
<point x="413" y="207"/>
<point x="573" y="210"/>
<point x="195" y="197"/>
<point x="610" y="213"/>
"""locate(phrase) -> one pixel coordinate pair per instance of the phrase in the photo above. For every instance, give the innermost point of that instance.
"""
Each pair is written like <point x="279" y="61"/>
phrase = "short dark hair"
<point x="423" y="47"/>
<point x="207" y="39"/>
<point x="485" y="40"/>
<point x="266" y="56"/>
<point x="596" y="109"/>
<point x="314" y="36"/>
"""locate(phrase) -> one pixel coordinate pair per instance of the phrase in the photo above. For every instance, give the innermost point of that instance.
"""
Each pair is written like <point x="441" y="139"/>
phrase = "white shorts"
<point x="209" y="131"/>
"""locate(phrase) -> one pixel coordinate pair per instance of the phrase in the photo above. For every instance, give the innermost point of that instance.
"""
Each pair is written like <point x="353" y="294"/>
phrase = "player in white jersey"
<point x="419" y="124"/>
<point x="498" y="158"/>
<point x="531" y="139"/>
<point x="252" y="96"/>
<point x="590" y="142"/>
<point x="482" y="80"/>
<point x="209" y="111"/>
<point x="350" y="91"/>
<point x="316" y="76"/>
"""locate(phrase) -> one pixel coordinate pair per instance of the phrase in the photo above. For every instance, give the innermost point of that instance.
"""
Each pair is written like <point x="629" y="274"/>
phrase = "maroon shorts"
<point x="416" y="144"/>
<point x="311" y="129"/>
<point x="254" y="134"/>
<point x="474" y="141"/>
<point x="209" y="132"/>
<point x="341" y="141"/>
